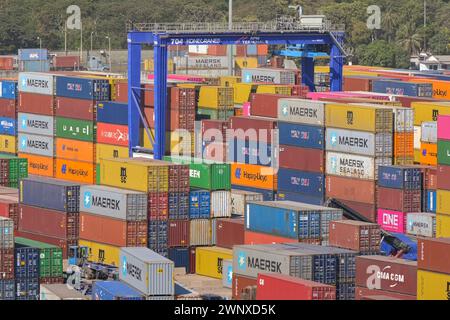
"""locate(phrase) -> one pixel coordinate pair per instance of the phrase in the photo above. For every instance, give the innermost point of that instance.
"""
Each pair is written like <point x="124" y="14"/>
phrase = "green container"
<point x="205" y="174"/>
<point x="444" y="152"/>
<point x="98" y="174"/>
<point x="51" y="257"/>
<point x="216" y="114"/>
<point x="75" y="129"/>
<point x="18" y="169"/>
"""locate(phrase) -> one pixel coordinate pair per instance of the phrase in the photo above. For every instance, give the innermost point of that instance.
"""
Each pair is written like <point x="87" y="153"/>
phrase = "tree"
<point x="409" y="38"/>
<point x="383" y="54"/>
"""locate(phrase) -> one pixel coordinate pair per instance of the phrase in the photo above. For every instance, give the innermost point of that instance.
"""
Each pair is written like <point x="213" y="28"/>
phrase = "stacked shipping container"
<point x="443" y="182"/>
<point x="7" y="283"/>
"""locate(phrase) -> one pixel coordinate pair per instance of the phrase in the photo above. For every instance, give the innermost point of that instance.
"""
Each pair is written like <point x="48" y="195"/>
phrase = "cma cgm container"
<point x="403" y="88"/>
<point x="362" y="237"/>
<point x="303" y="136"/>
<point x="280" y="287"/>
<point x="147" y="271"/>
<point x="114" y="203"/>
<point x="112" y="112"/>
<point x="114" y="290"/>
<point x="50" y="194"/>
<point x="83" y="88"/>
<point x="301" y="111"/>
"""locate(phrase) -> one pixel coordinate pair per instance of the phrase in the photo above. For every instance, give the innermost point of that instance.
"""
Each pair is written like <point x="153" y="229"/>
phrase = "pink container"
<point x="443" y="128"/>
<point x="393" y="221"/>
<point x="334" y="95"/>
<point x="246" y="109"/>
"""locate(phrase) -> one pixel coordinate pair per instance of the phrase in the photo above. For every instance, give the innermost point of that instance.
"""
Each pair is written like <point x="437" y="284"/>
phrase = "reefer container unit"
<point x="359" y="236"/>
<point x="83" y="88"/>
<point x="300" y="135"/>
<point x="280" y="287"/>
<point x="434" y="255"/>
<point x="432" y="285"/>
<point x="113" y="231"/>
<point x="273" y="76"/>
<point x="147" y="271"/>
<point x="400" y="177"/>
<point x="399" y="199"/>
<point x="301" y="111"/>
<point x="253" y="129"/>
<point x="75" y="108"/>
<point x="112" y="112"/>
<point x="421" y="224"/>
<point x="230" y="232"/>
<point x="38" y="83"/>
<point x="199" y="204"/>
<point x="354" y="166"/>
<point x="114" y="290"/>
<point x="403" y="88"/>
<point x="239" y="199"/>
<point x="209" y="261"/>
<point x="178" y="233"/>
<point x="114" y="203"/>
<point x="50" y="223"/>
<point x="200" y="232"/>
<point x="220" y="204"/>
<point x="35" y="124"/>
<point x="36" y="144"/>
<point x="50" y="194"/>
<point x="387" y="273"/>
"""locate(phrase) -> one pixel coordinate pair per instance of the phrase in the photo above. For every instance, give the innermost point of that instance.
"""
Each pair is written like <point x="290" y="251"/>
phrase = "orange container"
<point x="38" y="165"/>
<point x="76" y="171"/>
<point x="113" y="232"/>
<point x="404" y="144"/>
<point x="263" y="49"/>
<point x="75" y="150"/>
<point x="253" y="176"/>
<point x="441" y="89"/>
<point x="255" y="238"/>
<point x="428" y="154"/>
<point x="215" y="50"/>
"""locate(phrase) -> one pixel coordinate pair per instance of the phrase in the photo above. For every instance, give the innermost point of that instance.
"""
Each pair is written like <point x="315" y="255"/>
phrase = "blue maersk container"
<point x="8" y="126"/>
<point x="311" y="184"/>
<point x="399" y="177"/>
<point x="403" y="88"/>
<point x="8" y="89"/>
<point x="180" y="257"/>
<point x="268" y="195"/>
<point x="33" y="54"/>
<point x="300" y="197"/>
<point x="114" y="290"/>
<point x="7" y="290"/>
<point x="303" y="136"/>
<point x="158" y="237"/>
<point x="200" y="204"/>
<point x="178" y="205"/>
<point x="112" y="112"/>
<point x="83" y="88"/>
<point x="250" y="152"/>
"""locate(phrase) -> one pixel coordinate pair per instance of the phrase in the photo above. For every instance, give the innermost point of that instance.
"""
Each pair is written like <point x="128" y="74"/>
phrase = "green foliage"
<point x="402" y="31"/>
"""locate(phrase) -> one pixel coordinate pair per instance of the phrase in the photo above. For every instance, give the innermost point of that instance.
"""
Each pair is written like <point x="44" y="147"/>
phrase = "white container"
<point x="351" y="166"/>
<point x="35" y="124"/>
<point x="220" y="204"/>
<point x="417" y="137"/>
<point x="36" y="144"/>
<point x="239" y="199"/>
<point x="200" y="232"/>
<point x="429" y="132"/>
<point x="35" y="82"/>
<point x="301" y="111"/>
<point x="201" y="62"/>
<point x="271" y="76"/>
<point x="421" y="224"/>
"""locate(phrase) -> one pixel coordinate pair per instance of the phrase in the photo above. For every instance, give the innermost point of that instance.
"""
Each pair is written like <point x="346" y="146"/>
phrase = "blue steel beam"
<point x="160" y="53"/>
<point x="308" y="73"/>
<point x="134" y="96"/>
<point x="336" y="64"/>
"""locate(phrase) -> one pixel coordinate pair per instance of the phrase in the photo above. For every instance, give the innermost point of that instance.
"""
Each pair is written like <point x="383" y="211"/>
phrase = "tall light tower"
<point x="230" y="47"/>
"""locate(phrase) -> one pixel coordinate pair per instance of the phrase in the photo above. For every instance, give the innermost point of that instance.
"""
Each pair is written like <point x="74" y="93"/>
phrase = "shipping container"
<point x="199" y="204"/>
<point x="8" y="126"/>
<point x="442" y="225"/>
<point x="40" y="166"/>
<point x="7" y="63"/>
<point x="34" y="66"/>
<point x="27" y="263"/>
<point x="106" y="151"/>
<point x="273" y="76"/>
<point x="265" y="104"/>
<point x="114" y="290"/>
<point x="101" y="253"/>
<point x="255" y="238"/>
<point x="421" y="224"/>
<point x="430" y="111"/>
<point x="64" y="244"/>
<point x="83" y="88"/>
<point x="254" y="176"/>
<point x="114" y="203"/>
<point x="387" y="273"/>
<point x="147" y="271"/>
<point x="313" y="160"/>
<point x="36" y="103"/>
<point x="240" y="283"/>
<point x="443" y="152"/>
<point x="403" y="88"/>
<point x="429" y="132"/>
<point x="158" y="236"/>
<point x="399" y="177"/>
<point x="8" y="144"/>
<point x="36" y="144"/>
<point x="112" y="113"/>
<point x="179" y="232"/>
<point x="432" y="285"/>
<point x="301" y="111"/>
<point x="267" y="195"/>
<point x="32" y="54"/>
<point x="252" y="152"/>
<point x="39" y="83"/>
<point x="7" y="258"/>
<point x="77" y="171"/>
<point x="200" y="232"/>
<point x="9" y="208"/>
<point x="112" y="231"/>
<point x="355" y="235"/>
<point x="209" y="261"/>
<point x="399" y="199"/>
<point x="443" y="124"/>
<point x="215" y="97"/>
<point x="308" y="183"/>
<point x="180" y="258"/>
<point x="393" y="221"/>
<point x="74" y="129"/>
<point x="353" y="166"/>
<point x="355" y="190"/>
<point x="303" y="136"/>
<point x="362" y="294"/>
<point x="178" y="205"/>
<point x="75" y="150"/>
<point x="230" y="232"/>
<point x="220" y="204"/>
<point x="253" y="129"/>
<point x="433" y="255"/>
<point x="429" y="154"/>
<point x="443" y="202"/>
<point x="280" y="287"/>
<point x="227" y="274"/>
<point x="75" y="108"/>
<point x="35" y="124"/>
<point x="158" y="205"/>
<point x="8" y="108"/>
<point x="239" y="199"/>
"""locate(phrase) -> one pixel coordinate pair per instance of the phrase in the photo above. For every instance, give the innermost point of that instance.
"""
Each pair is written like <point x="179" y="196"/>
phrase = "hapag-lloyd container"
<point x="301" y="182"/>
<point x="83" y="88"/>
<point x="301" y="111"/>
<point x="359" y="142"/>
<point x="429" y="132"/>
<point x="351" y="166"/>
<point x="393" y="221"/>
<point x="421" y="224"/>
<point x="239" y="199"/>
<point x="220" y="204"/>
<point x="50" y="194"/>
<point x="36" y="144"/>
<point x="34" y="82"/>
<point x="253" y="176"/>
<point x="112" y="134"/>
<point x="399" y="177"/>
<point x="114" y="203"/>
<point x="75" y="150"/>
<point x="299" y="135"/>
<point x="387" y="273"/>
<point x="147" y="271"/>
<point x="35" y="124"/>
<point x="112" y="112"/>
<point x="443" y="127"/>
<point x="75" y="108"/>
<point x="75" y="129"/>
<point x="77" y="171"/>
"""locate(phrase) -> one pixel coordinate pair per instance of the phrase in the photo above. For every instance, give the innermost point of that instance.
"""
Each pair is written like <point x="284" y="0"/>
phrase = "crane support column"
<point x="308" y="73"/>
<point x="134" y="95"/>
<point x="336" y="65"/>
<point x="160" y="52"/>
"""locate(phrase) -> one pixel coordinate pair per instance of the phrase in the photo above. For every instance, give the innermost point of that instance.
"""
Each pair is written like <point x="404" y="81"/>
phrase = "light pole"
<point x="425" y="24"/>
<point x="230" y="27"/>
<point x="92" y="33"/>
<point x="109" y="53"/>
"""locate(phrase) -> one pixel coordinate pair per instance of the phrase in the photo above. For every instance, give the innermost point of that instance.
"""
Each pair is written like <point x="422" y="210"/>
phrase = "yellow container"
<point x="242" y="92"/>
<point x="215" y="96"/>
<point x="428" y="154"/>
<point x="432" y="285"/>
<point x="417" y="153"/>
<point x="106" y="151"/>
<point x="429" y="111"/>
<point x="229" y="81"/>
<point x="442" y="225"/>
<point x="180" y="143"/>
<point x="101" y="253"/>
<point x="149" y="65"/>
<point x="134" y="175"/>
<point x="246" y="62"/>
<point x="443" y="202"/>
<point x="209" y="261"/>
<point x="275" y="89"/>
<point x="8" y="144"/>
<point x="322" y="69"/>
<point x="361" y="118"/>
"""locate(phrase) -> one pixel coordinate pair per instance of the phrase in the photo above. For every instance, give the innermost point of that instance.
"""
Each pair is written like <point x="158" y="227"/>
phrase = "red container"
<point x="10" y="209"/>
<point x="49" y="222"/>
<point x="178" y="233"/>
<point x="265" y="104"/>
<point x="182" y="98"/>
<point x="75" y="108"/>
<point x="7" y="63"/>
<point x="357" y="84"/>
<point x="213" y="128"/>
<point x="443" y="177"/>
<point x="354" y="235"/>
<point x="36" y="103"/>
<point x="355" y="190"/>
<point x="254" y="238"/>
<point x="300" y="91"/>
<point x="5" y="191"/>
<point x="230" y="232"/>
<point x="57" y="280"/>
<point x="217" y="50"/>
<point x="71" y="62"/>
<point x="176" y="119"/>
<point x="6" y="264"/>
<point x="362" y="293"/>
<point x="434" y="255"/>
<point x="149" y="95"/>
<point x="8" y="108"/>
<point x="282" y="287"/>
<point x="179" y="178"/>
<point x="158" y="205"/>
<point x="312" y="160"/>
<point x="112" y="134"/>
<point x="192" y="260"/>
<point x="365" y="209"/>
<point x="430" y="177"/>
<point x="261" y="127"/>
<point x="239" y="284"/>
<point x="64" y="244"/>
<point x="241" y="50"/>
<point x="399" y="200"/>
<point x="114" y="232"/>
<point x="387" y="273"/>
<point x="121" y="91"/>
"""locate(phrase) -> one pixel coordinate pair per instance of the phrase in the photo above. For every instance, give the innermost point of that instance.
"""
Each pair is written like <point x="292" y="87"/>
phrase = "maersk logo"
<point x="230" y="274"/>
<point x="238" y="173"/>
<point x="124" y="266"/>
<point x="333" y="163"/>
<point x="241" y="260"/>
<point x="334" y="139"/>
<point x="87" y="199"/>
<point x="248" y="77"/>
<point x="285" y="110"/>
<point x="23" y="142"/>
<point x="24" y="122"/>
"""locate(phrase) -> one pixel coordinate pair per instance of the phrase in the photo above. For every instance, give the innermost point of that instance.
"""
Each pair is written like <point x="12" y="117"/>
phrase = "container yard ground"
<point x="201" y="285"/>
